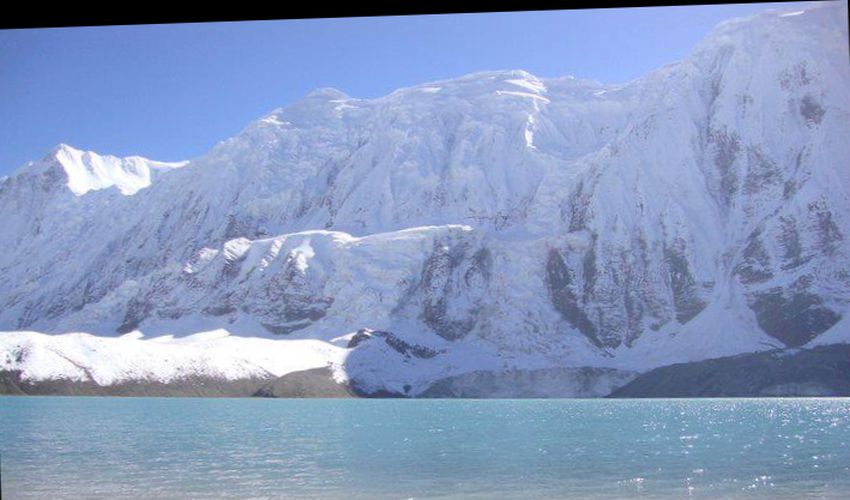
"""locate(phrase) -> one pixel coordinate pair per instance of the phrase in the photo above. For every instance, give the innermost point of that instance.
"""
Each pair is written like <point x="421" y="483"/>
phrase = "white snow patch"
<point x="235" y="249"/>
<point x="107" y="361"/>
<point x="522" y="94"/>
<point x="342" y="107"/>
<point x="274" y="120"/>
<point x="529" y="132"/>
<point x="87" y="171"/>
<point x="302" y="255"/>
<point x="532" y="85"/>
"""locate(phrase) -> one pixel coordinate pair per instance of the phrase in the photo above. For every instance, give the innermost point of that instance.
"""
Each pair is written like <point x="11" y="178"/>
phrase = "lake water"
<point x="58" y="447"/>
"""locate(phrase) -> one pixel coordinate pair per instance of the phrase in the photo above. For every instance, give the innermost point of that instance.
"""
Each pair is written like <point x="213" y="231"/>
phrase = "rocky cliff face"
<point x="499" y="219"/>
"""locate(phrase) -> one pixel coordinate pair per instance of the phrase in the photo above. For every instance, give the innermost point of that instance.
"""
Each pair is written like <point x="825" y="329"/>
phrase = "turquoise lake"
<point x="67" y="447"/>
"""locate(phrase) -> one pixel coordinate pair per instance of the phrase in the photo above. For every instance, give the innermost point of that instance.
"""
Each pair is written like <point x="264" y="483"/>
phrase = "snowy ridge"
<point x="107" y="361"/>
<point x="493" y="222"/>
<point x="86" y="171"/>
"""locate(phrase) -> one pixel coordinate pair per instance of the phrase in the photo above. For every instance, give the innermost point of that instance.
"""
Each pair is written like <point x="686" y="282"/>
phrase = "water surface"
<point x="66" y="447"/>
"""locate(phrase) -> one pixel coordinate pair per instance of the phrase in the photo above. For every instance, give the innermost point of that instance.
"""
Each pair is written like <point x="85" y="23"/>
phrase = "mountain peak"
<point x="500" y="74"/>
<point x="63" y="148"/>
<point x="84" y="171"/>
<point x="509" y="75"/>
<point x="326" y="93"/>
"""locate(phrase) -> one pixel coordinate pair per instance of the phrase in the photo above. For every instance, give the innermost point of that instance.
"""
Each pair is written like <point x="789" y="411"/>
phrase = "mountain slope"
<point x="491" y="222"/>
<point x="822" y="371"/>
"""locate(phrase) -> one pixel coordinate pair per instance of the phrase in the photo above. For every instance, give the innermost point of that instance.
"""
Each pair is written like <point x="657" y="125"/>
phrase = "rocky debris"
<point x="315" y="383"/>
<point x="392" y="340"/>
<point x="793" y="316"/>
<point x="686" y="291"/>
<point x="560" y="281"/>
<point x="821" y="371"/>
<point x="726" y="147"/>
<point x="194" y="386"/>
<point x="812" y="110"/>
<point x="451" y="273"/>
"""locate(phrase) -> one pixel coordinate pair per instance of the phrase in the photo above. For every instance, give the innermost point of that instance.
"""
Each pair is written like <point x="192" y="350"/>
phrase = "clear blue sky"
<point x="171" y="92"/>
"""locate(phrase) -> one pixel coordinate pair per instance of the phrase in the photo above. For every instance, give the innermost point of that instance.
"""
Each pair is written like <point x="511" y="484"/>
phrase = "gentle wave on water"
<point x="57" y="447"/>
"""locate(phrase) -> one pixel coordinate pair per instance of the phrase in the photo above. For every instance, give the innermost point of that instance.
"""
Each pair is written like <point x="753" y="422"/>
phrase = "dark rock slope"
<point x="822" y="371"/>
<point x="315" y="383"/>
<point x="12" y="384"/>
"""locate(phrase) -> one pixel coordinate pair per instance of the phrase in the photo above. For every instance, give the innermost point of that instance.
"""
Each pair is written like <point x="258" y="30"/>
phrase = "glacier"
<point x="495" y="223"/>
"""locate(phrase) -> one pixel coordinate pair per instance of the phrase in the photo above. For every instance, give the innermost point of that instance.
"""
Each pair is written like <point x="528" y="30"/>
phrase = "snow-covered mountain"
<point x="498" y="221"/>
